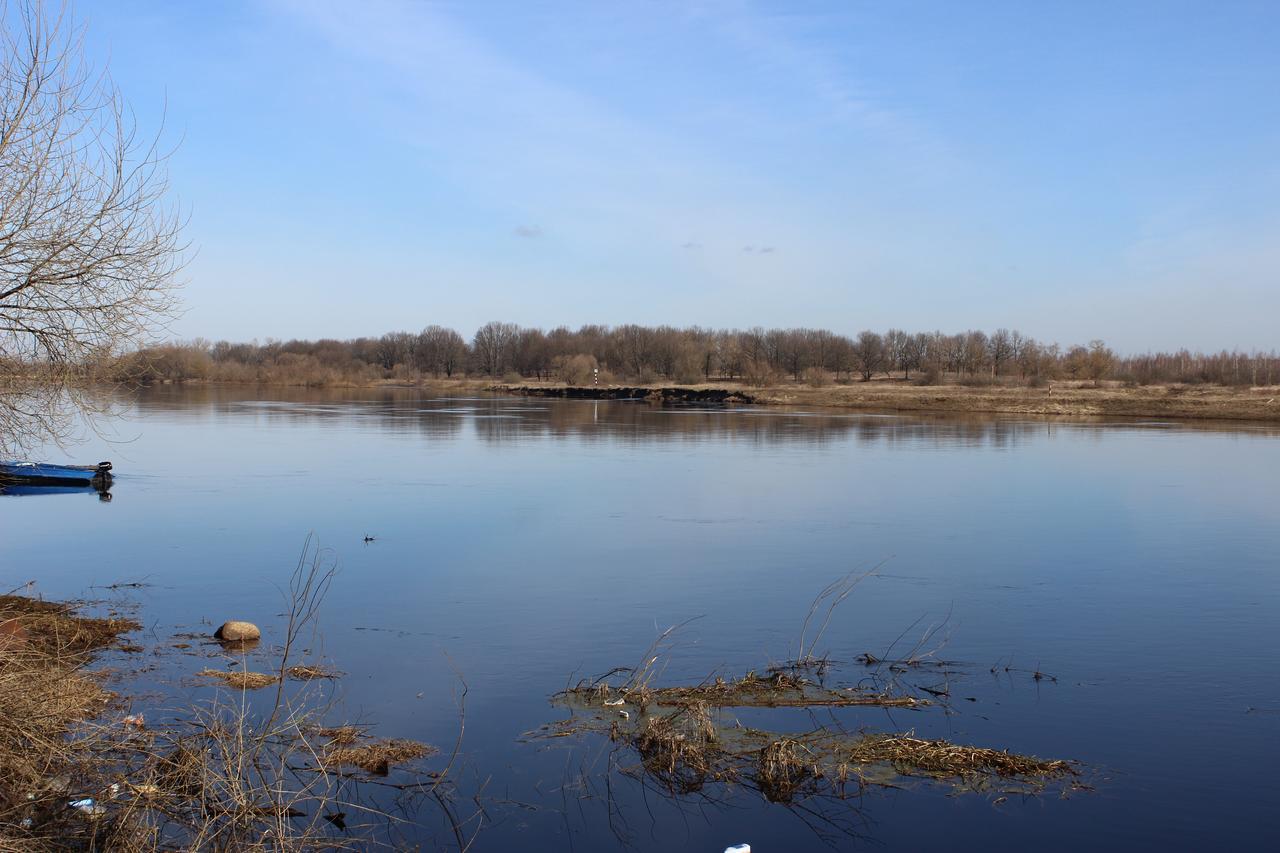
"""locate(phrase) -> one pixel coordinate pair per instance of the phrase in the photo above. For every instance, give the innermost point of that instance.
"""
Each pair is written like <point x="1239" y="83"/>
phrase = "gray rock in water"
<point x="237" y="632"/>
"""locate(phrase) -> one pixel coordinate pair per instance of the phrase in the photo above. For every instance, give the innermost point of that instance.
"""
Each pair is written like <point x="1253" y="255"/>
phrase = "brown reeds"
<point x="241" y="680"/>
<point x="57" y="628"/>
<point x="219" y="775"/>
<point x="685" y="740"/>
<point x="777" y="689"/>
<point x="784" y="767"/>
<point x="377" y="757"/>
<point x="911" y="755"/>
<point x="306" y="672"/>
<point x="681" y="749"/>
<point x="46" y="694"/>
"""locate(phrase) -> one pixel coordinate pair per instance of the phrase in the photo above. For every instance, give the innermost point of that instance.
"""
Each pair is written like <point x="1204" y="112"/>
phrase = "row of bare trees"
<point x="687" y="355"/>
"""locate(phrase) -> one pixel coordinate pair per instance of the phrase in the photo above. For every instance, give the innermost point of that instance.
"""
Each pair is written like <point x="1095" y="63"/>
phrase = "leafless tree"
<point x="439" y="350"/>
<point x="88" y="247"/>
<point x="868" y="354"/>
<point x="1001" y="348"/>
<point x="688" y="355"/>
<point x="895" y="350"/>
<point x="493" y="345"/>
<point x="973" y="351"/>
<point x="395" y="348"/>
<point x="914" y="352"/>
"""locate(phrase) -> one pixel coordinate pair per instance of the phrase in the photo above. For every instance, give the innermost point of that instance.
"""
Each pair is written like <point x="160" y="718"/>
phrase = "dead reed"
<point x="681" y="749"/>
<point x="777" y="689"/>
<point x="306" y="672"/>
<point x="377" y="757"/>
<point x="223" y="774"/>
<point x="241" y="680"/>
<point x="911" y="755"/>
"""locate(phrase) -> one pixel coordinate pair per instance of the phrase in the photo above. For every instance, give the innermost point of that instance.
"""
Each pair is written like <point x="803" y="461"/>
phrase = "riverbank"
<point x="83" y="768"/>
<point x="1058" y="399"/>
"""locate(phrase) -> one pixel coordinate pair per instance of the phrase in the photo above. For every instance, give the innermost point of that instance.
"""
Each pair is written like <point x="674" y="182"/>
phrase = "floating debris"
<point x="240" y="680"/>
<point x="777" y="689"/>
<point x="303" y="672"/>
<point x="379" y="756"/>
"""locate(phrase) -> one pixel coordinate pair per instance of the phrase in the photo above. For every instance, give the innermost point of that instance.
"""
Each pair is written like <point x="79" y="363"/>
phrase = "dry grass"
<point x="305" y="672"/>
<point x="1066" y="398"/>
<point x="56" y="628"/>
<point x="681" y="750"/>
<point x="377" y="757"/>
<point x="340" y="735"/>
<point x="239" y="679"/>
<point x="685" y="749"/>
<point x="219" y="775"/>
<point x="684" y="740"/>
<point x="45" y="695"/>
<point x="785" y="767"/>
<point x="779" y="689"/>
<point x="913" y="755"/>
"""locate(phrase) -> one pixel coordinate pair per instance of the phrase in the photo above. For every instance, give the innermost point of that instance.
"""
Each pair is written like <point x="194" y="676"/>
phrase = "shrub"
<point x="815" y="377"/>
<point x="575" y="369"/>
<point x="931" y="375"/>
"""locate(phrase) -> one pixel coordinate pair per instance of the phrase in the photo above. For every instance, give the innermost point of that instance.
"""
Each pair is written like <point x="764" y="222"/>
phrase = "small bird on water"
<point x="368" y="538"/>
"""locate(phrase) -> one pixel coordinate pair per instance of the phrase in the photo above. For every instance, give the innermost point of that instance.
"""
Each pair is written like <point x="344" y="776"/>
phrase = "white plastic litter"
<point x="613" y="703"/>
<point x="87" y="806"/>
<point x="738" y="848"/>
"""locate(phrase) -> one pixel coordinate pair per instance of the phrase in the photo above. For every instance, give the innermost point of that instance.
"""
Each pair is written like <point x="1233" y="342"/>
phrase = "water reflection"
<point x="506" y="420"/>
<point x="103" y="492"/>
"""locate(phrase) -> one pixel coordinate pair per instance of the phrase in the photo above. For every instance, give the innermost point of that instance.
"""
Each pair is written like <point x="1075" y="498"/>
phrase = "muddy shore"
<point x="1059" y="399"/>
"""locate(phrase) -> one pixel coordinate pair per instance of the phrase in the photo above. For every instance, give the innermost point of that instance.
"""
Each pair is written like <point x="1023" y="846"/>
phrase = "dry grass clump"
<point x="45" y="696"/>
<point x="912" y="755"/>
<point x="784" y="767"/>
<point x="681" y="750"/>
<point x="340" y="735"/>
<point x="377" y="757"/>
<point x="56" y="628"/>
<point x="777" y="689"/>
<point x="240" y="680"/>
<point x="223" y="774"/>
<point x="305" y="672"/>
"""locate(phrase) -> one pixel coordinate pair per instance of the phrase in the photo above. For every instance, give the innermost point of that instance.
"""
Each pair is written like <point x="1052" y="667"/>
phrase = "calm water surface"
<point x="519" y="542"/>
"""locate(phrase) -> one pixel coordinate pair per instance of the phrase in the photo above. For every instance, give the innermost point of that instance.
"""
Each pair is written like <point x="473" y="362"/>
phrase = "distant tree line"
<point x="647" y="354"/>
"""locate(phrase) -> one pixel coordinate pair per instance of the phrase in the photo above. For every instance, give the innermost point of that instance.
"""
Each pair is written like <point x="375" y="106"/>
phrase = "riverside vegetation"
<point x="1004" y="371"/>
<point x="687" y="741"/>
<point x="80" y="769"/>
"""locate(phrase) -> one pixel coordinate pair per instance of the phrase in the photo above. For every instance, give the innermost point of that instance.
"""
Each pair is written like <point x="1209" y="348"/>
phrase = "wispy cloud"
<point x="529" y="232"/>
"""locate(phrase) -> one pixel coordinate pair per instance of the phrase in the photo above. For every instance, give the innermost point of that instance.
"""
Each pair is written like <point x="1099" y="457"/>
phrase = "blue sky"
<point x="1071" y="169"/>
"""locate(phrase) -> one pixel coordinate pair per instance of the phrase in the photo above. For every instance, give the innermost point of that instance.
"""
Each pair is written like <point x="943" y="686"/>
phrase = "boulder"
<point x="237" y="632"/>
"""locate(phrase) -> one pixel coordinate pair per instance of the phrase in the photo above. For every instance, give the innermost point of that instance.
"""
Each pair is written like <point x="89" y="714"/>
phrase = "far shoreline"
<point x="1060" y="398"/>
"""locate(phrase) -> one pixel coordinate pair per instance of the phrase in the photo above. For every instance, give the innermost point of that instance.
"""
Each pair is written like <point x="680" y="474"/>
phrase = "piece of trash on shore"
<point x="88" y="807"/>
<point x="134" y="721"/>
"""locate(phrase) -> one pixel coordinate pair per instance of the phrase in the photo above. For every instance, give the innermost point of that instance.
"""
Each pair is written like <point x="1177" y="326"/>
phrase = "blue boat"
<point x="40" y="474"/>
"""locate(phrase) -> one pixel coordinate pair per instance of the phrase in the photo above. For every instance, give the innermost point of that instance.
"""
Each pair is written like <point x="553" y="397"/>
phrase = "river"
<point x="517" y="545"/>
